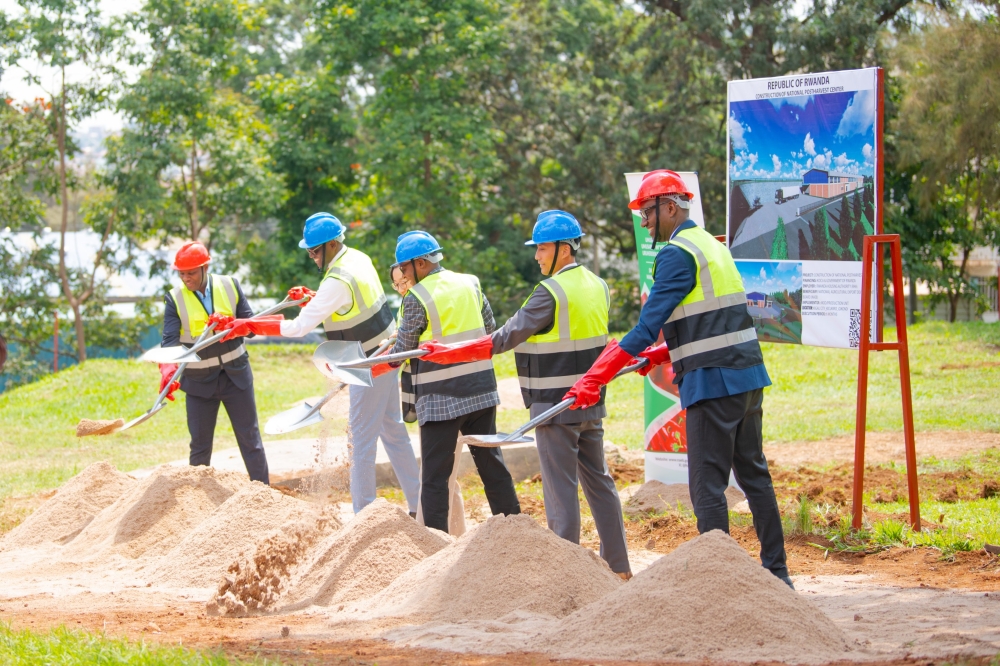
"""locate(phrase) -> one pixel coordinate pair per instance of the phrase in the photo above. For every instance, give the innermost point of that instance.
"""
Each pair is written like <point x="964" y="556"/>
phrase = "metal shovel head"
<point x="329" y="356"/>
<point x="292" y="419"/>
<point x="139" y="419"/>
<point x="176" y="355"/>
<point x="493" y="441"/>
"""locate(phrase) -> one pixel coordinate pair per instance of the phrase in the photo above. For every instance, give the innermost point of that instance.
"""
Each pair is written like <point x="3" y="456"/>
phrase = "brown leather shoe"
<point x="626" y="576"/>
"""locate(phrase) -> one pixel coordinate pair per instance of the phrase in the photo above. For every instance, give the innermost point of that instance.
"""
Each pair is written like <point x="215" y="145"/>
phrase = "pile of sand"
<point x="508" y="563"/>
<point x="155" y="514"/>
<point x="363" y="558"/>
<point x="202" y="557"/>
<point x="89" y="427"/>
<point x="252" y="584"/>
<point x="657" y="497"/>
<point x="71" y="509"/>
<point x="705" y="600"/>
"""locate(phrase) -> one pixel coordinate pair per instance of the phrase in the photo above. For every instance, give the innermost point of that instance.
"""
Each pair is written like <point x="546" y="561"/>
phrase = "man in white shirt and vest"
<point x="450" y="399"/>
<point x="352" y="306"/>
<point x="223" y="374"/>
<point x="556" y="336"/>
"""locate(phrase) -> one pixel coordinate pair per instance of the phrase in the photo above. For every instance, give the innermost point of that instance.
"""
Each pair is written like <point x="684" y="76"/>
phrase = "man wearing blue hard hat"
<point x="556" y="336"/>
<point x="462" y="398"/>
<point x="351" y="305"/>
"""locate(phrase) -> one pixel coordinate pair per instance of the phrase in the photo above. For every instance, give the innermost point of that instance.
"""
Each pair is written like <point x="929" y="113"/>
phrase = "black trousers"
<point x="241" y="406"/>
<point x="438" y="441"/>
<point x="724" y="434"/>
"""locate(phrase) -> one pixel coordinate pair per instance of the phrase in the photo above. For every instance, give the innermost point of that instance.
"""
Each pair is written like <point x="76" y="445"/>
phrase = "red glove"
<point x="587" y="389"/>
<point x="298" y="293"/>
<point x="382" y="369"/>
<point x="267" y="325"/>
<point x="480" y="349"/>
<point x="221" y="321"/>
<point x="167" y="371"/>
<point x="657" y="355"/>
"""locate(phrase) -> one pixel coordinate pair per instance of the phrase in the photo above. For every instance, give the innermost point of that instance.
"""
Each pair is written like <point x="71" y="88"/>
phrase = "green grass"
<point x="813" y="397"/>
<point x="62" y="646"/>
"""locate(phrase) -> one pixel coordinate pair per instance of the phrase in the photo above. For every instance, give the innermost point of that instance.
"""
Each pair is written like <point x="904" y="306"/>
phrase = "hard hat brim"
<point x="303" y="245"/>
<point x="554" y="240"/>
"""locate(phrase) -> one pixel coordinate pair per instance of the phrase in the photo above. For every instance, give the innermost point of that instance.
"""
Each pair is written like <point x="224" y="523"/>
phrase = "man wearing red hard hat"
<point x="698" y="302"/>
<point x="223" y="374"/>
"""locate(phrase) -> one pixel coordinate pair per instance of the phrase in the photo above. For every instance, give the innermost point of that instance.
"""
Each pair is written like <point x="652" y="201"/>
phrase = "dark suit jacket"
<point x="202" y="382"/>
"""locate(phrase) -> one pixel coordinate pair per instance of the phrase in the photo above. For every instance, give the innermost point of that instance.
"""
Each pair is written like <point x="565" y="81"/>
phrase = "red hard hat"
<point x="191" y="255"/>
<point x="658" y="183"/>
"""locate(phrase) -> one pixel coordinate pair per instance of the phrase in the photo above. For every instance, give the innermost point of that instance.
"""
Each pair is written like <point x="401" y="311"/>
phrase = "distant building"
<point x="830" y="184"/>
<point x="755" y="299"/>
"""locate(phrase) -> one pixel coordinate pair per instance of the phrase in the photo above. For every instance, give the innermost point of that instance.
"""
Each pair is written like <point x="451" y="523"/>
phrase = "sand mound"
<point x="73" y="506"/>
<point x="252" y="584"/>
<point x="705" y="600"/>
<point x="202" y="557"/>
<point x="508" y="563"/>
<point x="89" y="427"/>
<point x="657" y="497"/>
<point x="362" y="559"/>
<point x="157" y="513"/>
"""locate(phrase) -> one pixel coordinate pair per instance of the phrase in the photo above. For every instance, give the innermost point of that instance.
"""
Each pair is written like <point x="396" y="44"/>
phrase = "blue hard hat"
<point x="320" y="228"/>
<point x="554" y="225"/>
<point x="415" y="244"/>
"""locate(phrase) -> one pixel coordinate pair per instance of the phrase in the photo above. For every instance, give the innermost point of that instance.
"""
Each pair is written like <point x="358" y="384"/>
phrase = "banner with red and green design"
<point x="665" y="434"/>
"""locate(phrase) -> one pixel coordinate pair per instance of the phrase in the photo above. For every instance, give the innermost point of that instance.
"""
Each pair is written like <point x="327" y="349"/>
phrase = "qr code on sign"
<point x="854" y="330"/>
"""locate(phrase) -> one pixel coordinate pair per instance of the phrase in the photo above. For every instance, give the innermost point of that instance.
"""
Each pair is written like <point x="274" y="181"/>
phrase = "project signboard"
<point x="803" y="192"/>
<point x="665" y="435"/>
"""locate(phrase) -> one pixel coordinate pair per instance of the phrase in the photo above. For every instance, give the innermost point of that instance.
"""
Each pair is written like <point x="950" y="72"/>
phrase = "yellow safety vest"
<point x="453" y="303"/>
<point x="548" y="364"/>
<point x="369" y="319"/>
<point x="194" y="319"/>
<point x="711" y="327"/>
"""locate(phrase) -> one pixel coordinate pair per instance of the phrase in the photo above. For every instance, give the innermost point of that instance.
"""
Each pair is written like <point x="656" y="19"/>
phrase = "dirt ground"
<point x="818" y="569"/>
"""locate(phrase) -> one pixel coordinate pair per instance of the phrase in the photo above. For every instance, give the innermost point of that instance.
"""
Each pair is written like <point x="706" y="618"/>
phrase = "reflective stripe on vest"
<point x="406" y="396"/>
<point x="369" y="320"/>
<point x="711" y="327"/>
<point x="453" y="303"/>
<point x="548" y="364"/>
<point x="194" y="319"/>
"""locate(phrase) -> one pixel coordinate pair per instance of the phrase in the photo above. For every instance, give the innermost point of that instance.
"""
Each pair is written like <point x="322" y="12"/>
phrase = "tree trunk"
<point x="953" y="307"/>
<point x="913" y="300"/>
<point x="194" y="189"/>
<point x="81" y="340"/>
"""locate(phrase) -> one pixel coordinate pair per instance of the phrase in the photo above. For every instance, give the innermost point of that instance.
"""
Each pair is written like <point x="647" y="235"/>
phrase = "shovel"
<point x="305" y="414"/>
<point x="181" y="354"/>
<point x="346" y="361"/>
<point x="157" y="406"/>
<point x="518" y="437"/>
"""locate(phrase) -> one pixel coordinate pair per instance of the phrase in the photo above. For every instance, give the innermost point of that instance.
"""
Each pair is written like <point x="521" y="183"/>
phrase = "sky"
<point x="784" y="138"/>
<point x="769" y="277"/>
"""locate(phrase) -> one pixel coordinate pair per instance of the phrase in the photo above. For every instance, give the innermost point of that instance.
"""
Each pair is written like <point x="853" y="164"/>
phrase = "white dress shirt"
<point x="332" y="296"/>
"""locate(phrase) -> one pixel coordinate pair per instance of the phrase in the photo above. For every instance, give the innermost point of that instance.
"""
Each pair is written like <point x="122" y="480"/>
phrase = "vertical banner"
<point x="804" y="152"/>
<point x="665" y="434"/>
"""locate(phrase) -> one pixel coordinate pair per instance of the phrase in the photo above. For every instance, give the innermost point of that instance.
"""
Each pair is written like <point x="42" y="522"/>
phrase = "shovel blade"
<point x="499" y="439"/>
<point x="329" y="356"/>
<point x="292" y="419"/>
<point x="176" y="355"/>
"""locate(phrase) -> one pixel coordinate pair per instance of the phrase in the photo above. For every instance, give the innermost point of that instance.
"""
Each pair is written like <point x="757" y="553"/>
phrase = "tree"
<point x="58" y="34"/>
<point x="949" y="136"/>
<point x="195" y="161"/>
<point x="26" y="150"/>
<point x="779" y="246"/>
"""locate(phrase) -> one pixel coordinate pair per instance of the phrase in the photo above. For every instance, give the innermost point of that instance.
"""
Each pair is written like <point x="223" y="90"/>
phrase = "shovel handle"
<point x="202" y="343"/>
<point x="180" y="369"/>
<point x="566" y="404"/>
<point x="371" y="361"/>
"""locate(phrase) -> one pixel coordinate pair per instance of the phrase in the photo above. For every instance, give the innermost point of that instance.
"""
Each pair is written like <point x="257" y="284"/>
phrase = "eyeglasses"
<point x="315" y="251"/>
<point x="645" y="212"/>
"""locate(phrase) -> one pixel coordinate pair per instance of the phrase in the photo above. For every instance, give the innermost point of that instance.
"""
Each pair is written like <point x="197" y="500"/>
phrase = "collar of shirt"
<point x="206" y="296"/>
<point x="686" y="224"/>
<point x="343" y="249"/>
<point x="567" y="267"/>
